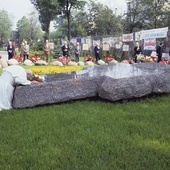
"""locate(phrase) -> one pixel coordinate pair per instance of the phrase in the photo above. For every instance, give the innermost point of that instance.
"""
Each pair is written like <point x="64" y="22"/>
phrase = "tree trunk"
<point x="68" y="26"/>
<point x="46" y="35"/>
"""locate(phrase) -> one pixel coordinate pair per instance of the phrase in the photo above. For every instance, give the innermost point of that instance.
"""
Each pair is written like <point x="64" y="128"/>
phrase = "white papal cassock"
<point x="11" y="76"/>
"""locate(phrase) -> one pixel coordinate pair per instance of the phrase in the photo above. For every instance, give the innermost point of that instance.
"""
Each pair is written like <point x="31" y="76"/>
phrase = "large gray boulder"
<point x="55" y="92"/>
<point x="125" y="88"/>
<point x="133" y="87"/>
<point x="113" y="82"/>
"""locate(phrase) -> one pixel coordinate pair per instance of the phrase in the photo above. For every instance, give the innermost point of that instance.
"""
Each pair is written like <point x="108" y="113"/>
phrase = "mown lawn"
<point x="87" y="135"/>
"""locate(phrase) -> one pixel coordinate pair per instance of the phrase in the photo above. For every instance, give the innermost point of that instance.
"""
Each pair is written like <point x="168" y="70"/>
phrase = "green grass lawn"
<point x="87" y="135"/>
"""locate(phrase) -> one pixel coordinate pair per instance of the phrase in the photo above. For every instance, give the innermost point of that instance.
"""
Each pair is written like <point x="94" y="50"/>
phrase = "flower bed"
<point x="55" y="70"/>
<point x="35" y="58"/>
<point x="18" y="58"/>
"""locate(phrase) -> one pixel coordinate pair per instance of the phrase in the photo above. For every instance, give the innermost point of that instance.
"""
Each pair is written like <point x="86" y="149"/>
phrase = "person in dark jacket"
<point x="159" y="51"/>
<point x="11" y="50"/>
<point x="65" y="49"/>
<point x="97" y="52"/>
<point x="137" y="50"/>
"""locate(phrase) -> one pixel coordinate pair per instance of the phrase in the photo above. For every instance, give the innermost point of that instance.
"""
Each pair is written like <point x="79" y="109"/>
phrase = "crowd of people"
<point x="77" y="51"/>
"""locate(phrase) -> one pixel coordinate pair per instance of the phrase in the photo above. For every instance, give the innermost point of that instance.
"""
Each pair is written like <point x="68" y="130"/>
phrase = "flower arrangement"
<point x="18" y="58"/>
<point x="89" y="58"/>
<point x="35" y="58"/>
<point x="55" y="70"/>
<point x="35" y="77"/>
<point x="64" y="60"/>
<point x="108" y="59"/>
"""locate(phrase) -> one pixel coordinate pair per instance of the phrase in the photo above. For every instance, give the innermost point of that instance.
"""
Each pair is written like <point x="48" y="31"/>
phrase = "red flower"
<point x="64" y="60"/>
<point x="18" y="58"/>
<point x="109" y="59"/>
<point x="34" y="59"/>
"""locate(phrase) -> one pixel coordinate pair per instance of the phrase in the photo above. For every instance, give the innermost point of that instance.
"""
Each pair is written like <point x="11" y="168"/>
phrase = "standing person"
<point x="159" y="51"/>
<point x="77" y="51"/>
<point x="137" y="50"/>
<point x="11" y="50"/>
<point x="25" y="51"/>
<point x="65" y="49"/>
<point x="97" y="52"/>
<point x="22" y="52"/>
<point x="46" y="51"/>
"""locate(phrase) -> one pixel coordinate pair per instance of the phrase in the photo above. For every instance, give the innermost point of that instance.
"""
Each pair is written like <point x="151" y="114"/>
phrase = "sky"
<point x="20" y="8"/>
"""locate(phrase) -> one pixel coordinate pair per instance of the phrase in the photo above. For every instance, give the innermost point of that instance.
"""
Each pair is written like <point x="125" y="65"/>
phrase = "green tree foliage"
<point x="135" y="16"/>
<point x="147" y="14"/>
<point x="158" y="13"/>
<point x="103" y="20"/>
<point x="23" y="29"/>
<point x="57" y="52"/>
<point x="107" y="23"/>
<point x="67" y="6"/>
<point x="5" y="25"/>
<point x="29" y="28"/>
<point x="47" y="10"/>
<point x="35" y="29"/>
<point x="94" y="19"/>
<point x="61" y="29"/>
<point x="80" y="25"/>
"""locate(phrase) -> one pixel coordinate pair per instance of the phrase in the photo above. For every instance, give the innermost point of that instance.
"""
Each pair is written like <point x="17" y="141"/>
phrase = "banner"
<point x="127" y="37"/>
<point x="139" y="36"/>
<point x="83" y="40"/>
<point x="115" y="40"/>
<point x="150" y="44"/>
<point x="125" y="47"/>
<point x="51" y="45"/>
<point x="106" y="40"/>
<point x="156" y="33"/>
<point x="96" y="41"/>
<point x="118" y="46"/>
<point x="106" y="47"/>
<point x="89" y="42"/>
<point x="85" y="47"/>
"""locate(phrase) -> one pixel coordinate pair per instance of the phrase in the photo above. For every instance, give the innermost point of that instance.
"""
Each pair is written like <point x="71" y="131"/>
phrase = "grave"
<point x="112" y="82"/>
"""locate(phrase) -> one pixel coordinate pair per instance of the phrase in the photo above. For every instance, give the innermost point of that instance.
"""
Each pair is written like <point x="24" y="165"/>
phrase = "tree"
<point x="135" y="16"/>
<point x="29" y="28"/>
<point x="5" y="25"/>
<point x="146" y="14"/>
<point x="47" y="12"/>
<point x="107" y="23"/>
<point x="67" y="6"/>
<point x="23" y="29"/>
<point x="94" y="19"/>
<point x="35" y="30"/>
<point x="157" y="12"/>
<point x="80" y="25"/>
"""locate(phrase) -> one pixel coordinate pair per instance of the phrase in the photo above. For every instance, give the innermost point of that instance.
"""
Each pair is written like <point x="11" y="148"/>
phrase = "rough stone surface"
<point x="125" y="88"/>
<point x="113" y="82"/>
<point x="133" y="87"/>
<point x="54" y="92"/>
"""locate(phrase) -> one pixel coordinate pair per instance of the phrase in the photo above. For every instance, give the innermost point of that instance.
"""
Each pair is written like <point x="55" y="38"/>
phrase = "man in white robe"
<point x="11" y="76"/>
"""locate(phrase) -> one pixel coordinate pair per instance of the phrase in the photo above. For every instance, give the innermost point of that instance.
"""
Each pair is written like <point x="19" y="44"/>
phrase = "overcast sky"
<point x="20" y="8"/>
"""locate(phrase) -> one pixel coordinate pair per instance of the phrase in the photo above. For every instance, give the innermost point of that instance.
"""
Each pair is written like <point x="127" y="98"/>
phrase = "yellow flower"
<point x="55" y="70"/>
